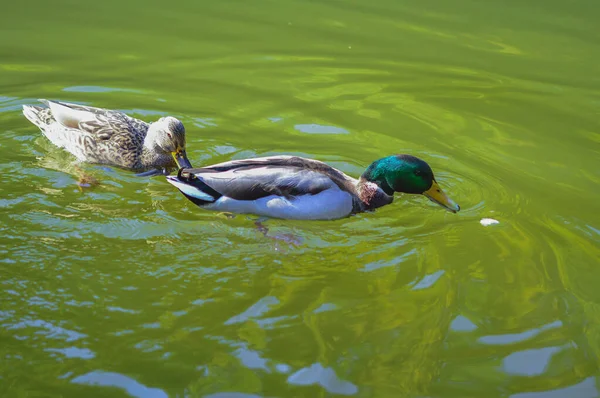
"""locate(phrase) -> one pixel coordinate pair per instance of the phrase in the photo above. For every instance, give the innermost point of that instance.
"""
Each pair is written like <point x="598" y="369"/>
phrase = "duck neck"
<point x="152" y="153"/>
<point x="150" y="139"/>
<point x="155" y="158"/>
<point x="371" y="195"/>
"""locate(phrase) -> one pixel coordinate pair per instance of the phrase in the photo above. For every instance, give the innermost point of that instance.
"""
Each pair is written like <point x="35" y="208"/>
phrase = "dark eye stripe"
<point x="176" y="126"/>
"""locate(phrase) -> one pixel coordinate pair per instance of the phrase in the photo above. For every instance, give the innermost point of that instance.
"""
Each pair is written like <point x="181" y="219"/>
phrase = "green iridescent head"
<point x="408" y="174"/>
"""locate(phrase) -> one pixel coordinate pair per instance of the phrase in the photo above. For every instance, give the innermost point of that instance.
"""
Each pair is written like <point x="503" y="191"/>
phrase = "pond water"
<point x="128" y="289"/>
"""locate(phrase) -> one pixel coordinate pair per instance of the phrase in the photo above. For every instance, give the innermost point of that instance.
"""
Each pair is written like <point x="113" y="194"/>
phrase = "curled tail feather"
<point x="45" y="121"/>
<point x="39" y="116"/>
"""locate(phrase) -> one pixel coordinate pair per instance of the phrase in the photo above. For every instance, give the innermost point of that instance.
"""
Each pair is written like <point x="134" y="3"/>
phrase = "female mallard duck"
<point x="297" y="188"/>
<point x="111" y="137"/>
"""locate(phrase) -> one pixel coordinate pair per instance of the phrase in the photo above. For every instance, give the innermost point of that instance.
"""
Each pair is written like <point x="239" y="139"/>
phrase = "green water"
<point x="128" y="289"/>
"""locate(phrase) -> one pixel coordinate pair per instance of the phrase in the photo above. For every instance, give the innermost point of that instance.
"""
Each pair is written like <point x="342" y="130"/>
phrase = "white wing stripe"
<point x="190" y="190"/>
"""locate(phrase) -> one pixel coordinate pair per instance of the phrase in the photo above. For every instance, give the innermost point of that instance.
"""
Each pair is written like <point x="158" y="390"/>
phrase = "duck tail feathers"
<point x="37" y="115"/>
<point x="193" y="189"/>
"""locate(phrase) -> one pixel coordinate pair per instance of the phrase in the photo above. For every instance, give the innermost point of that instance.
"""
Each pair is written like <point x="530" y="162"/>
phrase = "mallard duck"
<point x="111" y="137"/>
<point x="293" y="187"/>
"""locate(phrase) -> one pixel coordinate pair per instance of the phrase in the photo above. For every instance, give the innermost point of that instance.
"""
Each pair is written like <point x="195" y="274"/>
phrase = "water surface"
<point x="128" y="289"/>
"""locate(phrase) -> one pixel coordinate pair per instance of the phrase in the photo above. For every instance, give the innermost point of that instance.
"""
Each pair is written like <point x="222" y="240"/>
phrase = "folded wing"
<point x="252" y="179"/>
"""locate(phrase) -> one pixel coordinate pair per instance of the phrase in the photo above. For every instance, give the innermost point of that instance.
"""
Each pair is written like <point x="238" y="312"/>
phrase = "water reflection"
<point x="99" y="89"/>
<point x="428" y="280"/>
<point x="111" y="379"/>
<point x="462" y="324"/>
<point x="44" y="328"/>
<point x="519" y="337"/>
<point x="319" y="129"/>
<point x="406" y="301"/>
<point x="529" y="362"/>
<point x="585" y="389"/>
<point x="325" y="377"/>
<point x="256" y="310"/>
<point x="74" y="352"/>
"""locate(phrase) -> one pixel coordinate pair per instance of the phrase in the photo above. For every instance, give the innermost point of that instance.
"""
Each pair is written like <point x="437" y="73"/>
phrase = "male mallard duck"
<point x="297" y="188"/>
<point x="111" y="137"/>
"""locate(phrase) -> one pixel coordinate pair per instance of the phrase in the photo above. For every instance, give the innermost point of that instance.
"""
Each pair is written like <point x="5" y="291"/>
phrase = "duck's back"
<point x="286" y="175"/>
<point x="91" y="134"/>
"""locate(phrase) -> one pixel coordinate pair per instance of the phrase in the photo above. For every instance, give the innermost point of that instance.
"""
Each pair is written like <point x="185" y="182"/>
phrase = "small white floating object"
<point x="488" y="221"/>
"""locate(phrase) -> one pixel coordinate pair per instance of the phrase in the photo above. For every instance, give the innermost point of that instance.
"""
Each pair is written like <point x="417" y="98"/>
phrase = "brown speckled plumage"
<point x="110" y="137"/>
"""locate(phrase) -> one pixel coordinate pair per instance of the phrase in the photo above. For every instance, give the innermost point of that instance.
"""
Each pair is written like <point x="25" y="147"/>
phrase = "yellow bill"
<point x="181" y="159"/>
<point x="436" y="195"/>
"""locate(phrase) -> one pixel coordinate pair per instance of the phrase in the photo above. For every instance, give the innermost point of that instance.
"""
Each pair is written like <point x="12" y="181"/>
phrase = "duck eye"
<point x="170" y="135"/>
<point x="417" y="172"/>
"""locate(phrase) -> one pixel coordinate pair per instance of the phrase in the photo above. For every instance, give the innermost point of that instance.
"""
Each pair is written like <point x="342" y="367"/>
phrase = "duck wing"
<point x="102" y="124"/>
<point x="251" y="179"/>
